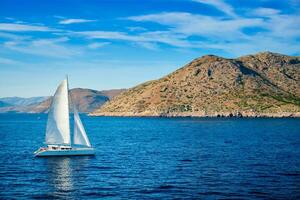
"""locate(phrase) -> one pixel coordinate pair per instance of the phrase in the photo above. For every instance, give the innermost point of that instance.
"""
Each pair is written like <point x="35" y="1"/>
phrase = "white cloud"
<point x="278" y="25"/>
<point x="44" y="47"/>
<point x="13" y="36"/>
<point x="273" y="30"/>
<point x="23" y="27"/>
<point x="7" y="61"/>
<point x="103" y="34"/>
<point x="148" y="45"/>
<point x="136" y="28"/>
<point x="206" y="26"/>
<point x="263" y="12"/>
<point x="165" y="37"/>
<point x="220" y="5"/>
<point x="75" y="21"/>
<point x="97" y="45"/>
<point x="214" y="33"/>
<point x="284" y="26"/>
<point x="177" y="29"/>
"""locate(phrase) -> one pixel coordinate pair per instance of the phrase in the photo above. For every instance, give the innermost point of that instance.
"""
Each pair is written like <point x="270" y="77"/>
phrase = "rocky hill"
<point x="265" y="84"/>
<point x="86" y="100"/>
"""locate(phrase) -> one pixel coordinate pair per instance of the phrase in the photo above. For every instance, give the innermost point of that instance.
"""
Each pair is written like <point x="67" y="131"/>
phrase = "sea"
<point x="155" y="158"/>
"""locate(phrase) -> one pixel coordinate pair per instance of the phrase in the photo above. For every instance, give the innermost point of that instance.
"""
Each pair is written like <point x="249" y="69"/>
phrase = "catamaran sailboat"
<point x="58" y="137"/>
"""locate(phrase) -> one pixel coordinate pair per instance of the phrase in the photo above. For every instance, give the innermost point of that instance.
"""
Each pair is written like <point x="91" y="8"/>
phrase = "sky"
<point x="110" y="44"/>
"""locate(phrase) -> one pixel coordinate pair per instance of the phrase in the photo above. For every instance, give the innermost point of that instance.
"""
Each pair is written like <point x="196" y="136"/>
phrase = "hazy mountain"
<point x="4" y="104"/>
<point x="86" y="100"/>
<point x="265" y="84"/>
<point x="19" y="101"/>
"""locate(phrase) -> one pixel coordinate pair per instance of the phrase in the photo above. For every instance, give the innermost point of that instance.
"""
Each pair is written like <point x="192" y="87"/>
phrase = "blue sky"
<point x="106" y="44"/>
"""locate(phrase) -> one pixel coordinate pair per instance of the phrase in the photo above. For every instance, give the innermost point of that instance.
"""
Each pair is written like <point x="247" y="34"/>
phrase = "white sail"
<point x="80" y="137"/>
<point x="58" y="127"/>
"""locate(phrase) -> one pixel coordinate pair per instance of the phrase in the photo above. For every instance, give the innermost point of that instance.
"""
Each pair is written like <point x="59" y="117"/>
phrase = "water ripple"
<point x="155" y="158"/>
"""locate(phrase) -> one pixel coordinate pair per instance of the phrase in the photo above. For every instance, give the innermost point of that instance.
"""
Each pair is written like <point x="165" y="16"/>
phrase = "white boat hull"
<point x="68" y="152"/>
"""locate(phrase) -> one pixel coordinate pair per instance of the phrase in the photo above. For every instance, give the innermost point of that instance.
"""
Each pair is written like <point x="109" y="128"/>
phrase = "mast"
<point x="67" y="82"/>
<point x="69" y="101"/>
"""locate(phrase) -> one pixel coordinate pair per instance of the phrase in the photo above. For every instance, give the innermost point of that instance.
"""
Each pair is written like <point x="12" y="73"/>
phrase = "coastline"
<point x="200" y="115"/>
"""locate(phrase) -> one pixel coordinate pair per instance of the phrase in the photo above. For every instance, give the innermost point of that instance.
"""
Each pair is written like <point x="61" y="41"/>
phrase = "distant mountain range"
<point x="265" y="84"/>
<point x="4" y="104"/>
<point x="19" y="101"/>
<point x="85" y="100"/>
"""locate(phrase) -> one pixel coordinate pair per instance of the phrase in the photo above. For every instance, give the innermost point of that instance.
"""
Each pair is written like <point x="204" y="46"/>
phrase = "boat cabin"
<point x="57" y="147"/>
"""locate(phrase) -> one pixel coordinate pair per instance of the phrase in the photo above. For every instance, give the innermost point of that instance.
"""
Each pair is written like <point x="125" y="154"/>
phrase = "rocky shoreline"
<point x="200" y="114"/>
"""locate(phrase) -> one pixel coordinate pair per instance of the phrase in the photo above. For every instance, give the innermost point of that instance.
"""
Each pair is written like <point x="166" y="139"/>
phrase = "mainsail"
<point x="58" y="127"/>
<point x="80" y="137"/>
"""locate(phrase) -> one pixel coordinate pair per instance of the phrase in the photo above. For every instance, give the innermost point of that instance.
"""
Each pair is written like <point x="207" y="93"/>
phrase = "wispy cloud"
<point x="13" y="36"/>
<point x="264" y="12"/>
<point x="148" y="45"/>
<point x="44" y="47"/>
<point x="136" y="28"/>
<point x="165" y="37"/>
<point x="220" y="5"/>
<point x="278" y="25"/>
<point x="270" y="30"/>
<point x="97" y="45"/>
<point x="176" y="29"/>
<point x="75" y="21"/>
<point x="206" y="26"/>
<point x="7" y="61"/>
<point x="15" y="27"/>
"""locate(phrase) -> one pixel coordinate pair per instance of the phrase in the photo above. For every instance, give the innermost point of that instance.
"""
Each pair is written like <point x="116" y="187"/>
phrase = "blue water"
<point x="155" y="158"/>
